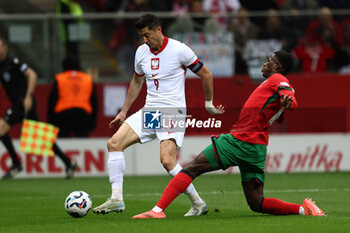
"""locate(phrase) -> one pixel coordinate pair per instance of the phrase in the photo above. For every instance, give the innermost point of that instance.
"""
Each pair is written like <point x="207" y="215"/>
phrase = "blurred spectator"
<point x="119" y="36"/>
<point x="197" y="23"/>
<point x="274" y="29"/>
<point x="196" y="7"/>
<point x="296" y="22"/>
<point x="335" y="4"/>
<point x="186" y="24"/>
<point x="138" y="5"/>
<point x="181" y="7"/>
<point x="160" y="5"/>
<point x="221" y="6"/>
<point x="313" y="55"/>
<point x="295" y="6"/>
<point x="212" y="25"/>
<point x="182" y="24"/>
<point x="345" y="26"/>
<point x="123" y="43"/>
<point x="73" y="102"/>
<point x="73" y="8"/>
<point x="243" y="30"/>
<point x="296" y="27"/>
<point x="300" y="5"/>
<point x="254" y="5"/>
<point x="124" y="40"/>
<point x="326" y="30"/>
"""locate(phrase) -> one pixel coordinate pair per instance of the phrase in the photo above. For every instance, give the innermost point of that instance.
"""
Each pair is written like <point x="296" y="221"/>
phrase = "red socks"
<point x="176" y="186"/>
<point x="278" y="207"/>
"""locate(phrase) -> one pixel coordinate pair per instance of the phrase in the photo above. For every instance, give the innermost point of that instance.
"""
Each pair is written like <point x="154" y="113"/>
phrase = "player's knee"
<point x="114" y="145"/>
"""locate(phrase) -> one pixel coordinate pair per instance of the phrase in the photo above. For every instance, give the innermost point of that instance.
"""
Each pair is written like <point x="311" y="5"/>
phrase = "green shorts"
<point x="227" y="151"/>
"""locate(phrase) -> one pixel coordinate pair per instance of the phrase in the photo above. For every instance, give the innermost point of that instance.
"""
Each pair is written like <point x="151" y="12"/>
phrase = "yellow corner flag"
<point x="38" y="137"/>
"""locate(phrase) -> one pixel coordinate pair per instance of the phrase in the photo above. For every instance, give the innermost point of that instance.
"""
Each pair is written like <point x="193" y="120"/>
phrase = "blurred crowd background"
<point x="230" y="35"/>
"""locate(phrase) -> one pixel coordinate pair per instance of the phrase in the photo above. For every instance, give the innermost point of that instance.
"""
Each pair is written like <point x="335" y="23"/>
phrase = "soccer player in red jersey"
<point x="245" y="146"/>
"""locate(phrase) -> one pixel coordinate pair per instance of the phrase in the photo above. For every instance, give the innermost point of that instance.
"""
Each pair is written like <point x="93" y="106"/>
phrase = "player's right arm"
<point x="207" y="82"/>
<point x="133" y="91"/>
<point x="188" y="58"/>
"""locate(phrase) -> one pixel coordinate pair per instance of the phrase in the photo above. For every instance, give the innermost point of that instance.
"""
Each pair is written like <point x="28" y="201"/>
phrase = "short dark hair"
<point x="71" y="63"/>
<point x="286" y="60"/>
<point x="148" y="20"/>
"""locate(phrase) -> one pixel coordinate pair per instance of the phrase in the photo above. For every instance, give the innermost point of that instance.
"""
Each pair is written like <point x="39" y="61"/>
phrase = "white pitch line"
<point x="205" y="193"/>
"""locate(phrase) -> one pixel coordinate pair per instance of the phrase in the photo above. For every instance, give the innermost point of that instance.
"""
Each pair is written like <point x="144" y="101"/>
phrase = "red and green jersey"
<point x="261" y="109"/>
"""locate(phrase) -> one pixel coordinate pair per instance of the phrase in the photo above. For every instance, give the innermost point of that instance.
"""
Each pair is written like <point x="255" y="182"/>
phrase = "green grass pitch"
<point x="37" y="205"/>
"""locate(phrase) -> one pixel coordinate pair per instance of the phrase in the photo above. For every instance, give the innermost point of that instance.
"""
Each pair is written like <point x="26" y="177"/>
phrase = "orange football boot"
<point x="311" y="208"/>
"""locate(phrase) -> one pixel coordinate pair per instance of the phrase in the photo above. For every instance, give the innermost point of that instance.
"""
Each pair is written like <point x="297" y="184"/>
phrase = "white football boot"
<point x="197" y="209"/>
<point x="111" y="205"/>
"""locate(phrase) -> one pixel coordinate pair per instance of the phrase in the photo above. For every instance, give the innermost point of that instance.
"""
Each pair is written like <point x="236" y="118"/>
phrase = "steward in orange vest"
<point x="73" y="101"/>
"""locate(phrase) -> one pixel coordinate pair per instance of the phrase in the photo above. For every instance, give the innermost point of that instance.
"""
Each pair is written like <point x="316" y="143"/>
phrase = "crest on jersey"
<point x="155" y="63"/>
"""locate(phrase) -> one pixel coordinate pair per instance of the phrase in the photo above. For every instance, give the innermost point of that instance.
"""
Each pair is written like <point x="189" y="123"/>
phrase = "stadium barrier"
<point x="286" y="153"/>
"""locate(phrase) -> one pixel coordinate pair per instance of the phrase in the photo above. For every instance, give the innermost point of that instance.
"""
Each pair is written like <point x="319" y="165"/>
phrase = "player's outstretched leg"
<point x="253" y="191"/>
<point x="198" y="206"/>
<point x="176" y="186"/>
<point x="278" y="207"/>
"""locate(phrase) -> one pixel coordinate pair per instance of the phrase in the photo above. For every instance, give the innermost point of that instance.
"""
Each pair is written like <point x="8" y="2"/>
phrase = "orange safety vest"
<point x="74" y="91"/>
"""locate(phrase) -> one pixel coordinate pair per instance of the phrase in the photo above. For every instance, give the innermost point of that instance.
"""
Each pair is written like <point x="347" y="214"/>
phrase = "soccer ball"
<point x="78" y="204"/>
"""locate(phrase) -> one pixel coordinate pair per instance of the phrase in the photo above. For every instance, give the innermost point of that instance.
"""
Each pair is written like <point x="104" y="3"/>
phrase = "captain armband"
<point x="196" y="67"/>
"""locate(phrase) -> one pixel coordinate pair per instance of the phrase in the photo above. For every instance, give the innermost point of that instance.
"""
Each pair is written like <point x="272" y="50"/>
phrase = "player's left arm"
<point x="31" y="77"/>
<point x="207" y="81"/>
<point x="284" y="90"/>
<point x="287" y="97"/>
<point x="288" y="102"/>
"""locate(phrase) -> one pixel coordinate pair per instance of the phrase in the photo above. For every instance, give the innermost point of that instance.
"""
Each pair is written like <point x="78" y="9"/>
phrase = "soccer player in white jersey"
<point x="162" y="62"/>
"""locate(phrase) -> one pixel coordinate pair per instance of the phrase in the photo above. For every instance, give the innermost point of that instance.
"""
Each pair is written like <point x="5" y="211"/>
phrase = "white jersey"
<point x="165" y="72"/>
